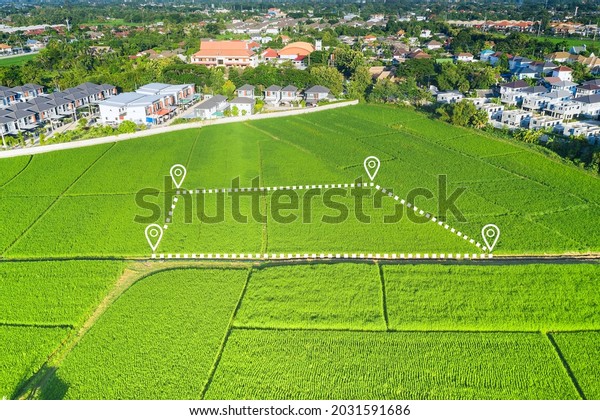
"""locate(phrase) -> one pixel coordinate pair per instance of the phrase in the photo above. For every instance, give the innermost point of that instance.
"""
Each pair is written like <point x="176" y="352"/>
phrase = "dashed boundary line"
<point x="320" y="255"/>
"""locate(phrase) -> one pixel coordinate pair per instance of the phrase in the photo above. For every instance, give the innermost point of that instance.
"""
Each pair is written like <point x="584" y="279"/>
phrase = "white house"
<point x="590" y="105"/>
<point x="512" y="93"/>
<point x="181" y="94"/>
<point x="273" y="94"/>
<point x="434" y="45"/>
<point x="317" y="93"/>
<point x="564" y="110"/>
<point x="516" y="118"/>
<point x="450" y="97"/>
<point x="211" y="107"/>
<point x="493" y="111"/>
<point x="542" y="122"/>
<point x="245" y="91"/>
<point x="563" y="73"/>
<point x="290" y="94"/>
<point x="244" y="105"/>
<point x="136" y="107"/>
<point x="464" y="56"/>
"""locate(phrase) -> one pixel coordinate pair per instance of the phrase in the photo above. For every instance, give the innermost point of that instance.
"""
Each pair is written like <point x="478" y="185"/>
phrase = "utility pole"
<point x="68" y="26"/>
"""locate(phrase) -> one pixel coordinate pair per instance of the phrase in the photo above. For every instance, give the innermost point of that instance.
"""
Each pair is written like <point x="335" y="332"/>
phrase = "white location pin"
<point x="178" y="174"/>
<point x="154" y="234"/>
<point x="490" y="234"/>
<point x="372" y="165"/>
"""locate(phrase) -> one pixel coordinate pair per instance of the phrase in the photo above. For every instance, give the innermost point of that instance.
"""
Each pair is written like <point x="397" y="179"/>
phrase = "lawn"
<point x="17" y="60"/>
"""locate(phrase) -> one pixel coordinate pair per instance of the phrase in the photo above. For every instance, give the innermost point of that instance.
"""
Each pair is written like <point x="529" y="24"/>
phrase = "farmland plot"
<point x="260" y="364"/>
<point x="518" y="298"/>
<point x="314" y="296"/>
<point x="582" y="352"/>
<point x="54" y="292"/>
<point x="9" y="168"/>
<point x="157" y="341"/>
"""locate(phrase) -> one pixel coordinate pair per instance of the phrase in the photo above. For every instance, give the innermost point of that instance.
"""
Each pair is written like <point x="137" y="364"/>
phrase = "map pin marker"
<point x="490" y="234"/>
<point x="154" y="234"/>
<point x="372" y="165"/>
<point x="178" y="174"/>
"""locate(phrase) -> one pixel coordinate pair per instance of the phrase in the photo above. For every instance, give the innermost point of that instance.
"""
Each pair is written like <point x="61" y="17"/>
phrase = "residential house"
<point x="273" y="94"/>
<point x="34" y="44"/>
<point x="562" y="85"/>
<point x="565" y="110"/>
<point x="523" y="73"/>
<point x="450" y="97"/>
<point x="563" y="73"/>
<point x="182" y="94"/>
<point x="590" y="105"/>
<point x="485" y="55"/>
<point x="5" y="49"/>
<point x="516" y="118"/>
<point x="512" y="93"/>
<point x="464" y="57"/>
<point x="589" y="130"/>
<point x="7" y="96"/>
<point x="290" y="94"/>
<point x="244" y="105"/>
<point x="434" y="45"/>
<point x="493" y="111"/>
<point x="517" y="62"/>
<point x="212" y="107"/>
<point x="541" y="101"/>
<point x="136" y="107"/>
<point x="559" y="57"/>
<point x="317" y="93"/>
<point x="245" y="91"/>
<point x="543" y="122"/>
<point x="587" y="89"/>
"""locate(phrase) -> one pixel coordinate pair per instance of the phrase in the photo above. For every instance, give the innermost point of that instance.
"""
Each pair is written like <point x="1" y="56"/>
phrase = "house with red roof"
<point x="564" y="73"/>
<point x="225" y="53"/>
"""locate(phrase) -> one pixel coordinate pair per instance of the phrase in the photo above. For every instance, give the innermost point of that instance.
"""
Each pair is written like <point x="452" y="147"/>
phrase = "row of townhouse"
<point x="27" y="107"/>
<point x="246" y="96"/>
<point x="276" y="95"/>
<point x="153" y="103"/>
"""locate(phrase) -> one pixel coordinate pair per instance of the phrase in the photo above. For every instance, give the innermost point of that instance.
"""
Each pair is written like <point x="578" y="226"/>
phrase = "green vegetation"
<point x="23" y="351"/>
<point x="581" y="351"/>
<point x="16" y="60"/>
<point x="303" y="330"/>
<point x="349" y="365"/>
<point x="345" y="296"/>
<point x="541" y="204"/>
<point x="54" y="292"/>
<point x="158" y="341"/>
<point x="519" y="298"/>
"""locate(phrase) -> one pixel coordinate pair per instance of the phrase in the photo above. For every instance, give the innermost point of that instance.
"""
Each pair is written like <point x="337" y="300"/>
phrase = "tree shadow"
<point x="45" y="384"/>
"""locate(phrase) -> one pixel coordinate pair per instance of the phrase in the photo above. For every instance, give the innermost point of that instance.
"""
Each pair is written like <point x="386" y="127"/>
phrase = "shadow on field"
<point x="45" y="384"/>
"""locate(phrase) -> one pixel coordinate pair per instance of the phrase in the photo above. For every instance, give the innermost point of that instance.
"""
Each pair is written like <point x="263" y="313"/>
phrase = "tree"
<point x="359" y="83"/>
<point x="228" y="89"/>
<point x="384" y="91"/>
<point x="127" y="127"/>
<point x="328" y="77"/>
<point x="235" y="111"/>
<point x="348" y="60"/>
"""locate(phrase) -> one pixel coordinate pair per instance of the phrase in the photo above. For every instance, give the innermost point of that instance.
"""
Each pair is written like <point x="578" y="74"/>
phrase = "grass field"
<point x="16" y="60"/>
<point x="298" y="330"/>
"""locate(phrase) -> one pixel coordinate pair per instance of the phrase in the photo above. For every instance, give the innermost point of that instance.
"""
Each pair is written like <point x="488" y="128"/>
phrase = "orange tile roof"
<point x="224" y="48"/>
